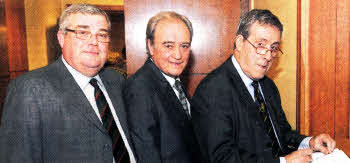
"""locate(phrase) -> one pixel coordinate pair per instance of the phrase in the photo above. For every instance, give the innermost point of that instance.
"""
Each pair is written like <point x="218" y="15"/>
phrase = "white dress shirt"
<point x="88" y="89"/>
<point x="248" y="83"/>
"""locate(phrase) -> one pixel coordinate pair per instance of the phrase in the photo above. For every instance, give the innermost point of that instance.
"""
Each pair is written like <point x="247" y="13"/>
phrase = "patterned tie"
<point x="266" y="118"/>
<point x="182" y="96"/>
<point x="119" y="150"/>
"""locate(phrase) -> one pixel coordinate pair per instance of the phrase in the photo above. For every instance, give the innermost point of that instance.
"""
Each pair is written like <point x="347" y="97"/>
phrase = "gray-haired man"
<point x="158" y="108"/>
<point x="71" y="110"/>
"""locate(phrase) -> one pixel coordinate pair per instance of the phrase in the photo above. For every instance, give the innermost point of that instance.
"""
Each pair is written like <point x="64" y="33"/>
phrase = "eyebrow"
<point x="172" y="42"/>
<point x="83" y="26"/>
<point x="275" y="43"/>
<point x="168" y="42"/>
<point x="87" y="27"/>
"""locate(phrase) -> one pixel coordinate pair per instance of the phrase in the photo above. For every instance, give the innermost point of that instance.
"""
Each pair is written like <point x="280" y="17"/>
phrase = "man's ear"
<point x="60" y="37"/>
<point x="239" y="42"/>
<point x="150" y="47"/>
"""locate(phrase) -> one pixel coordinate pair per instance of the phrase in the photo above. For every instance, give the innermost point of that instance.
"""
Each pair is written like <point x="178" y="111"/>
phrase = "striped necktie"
<point x="120" y="152"/>
<point x="182" y="97"/>
<point x="267" y="119"/>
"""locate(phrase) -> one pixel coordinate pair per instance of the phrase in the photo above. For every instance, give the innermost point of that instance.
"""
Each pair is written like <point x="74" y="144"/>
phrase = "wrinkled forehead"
<point x="88" y="21"/>
<point x="171" y="26"/>
<point x="266" y="32"/>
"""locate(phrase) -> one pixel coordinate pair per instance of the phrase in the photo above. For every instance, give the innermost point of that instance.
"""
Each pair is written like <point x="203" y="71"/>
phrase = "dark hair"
<point x="260" y="16"/>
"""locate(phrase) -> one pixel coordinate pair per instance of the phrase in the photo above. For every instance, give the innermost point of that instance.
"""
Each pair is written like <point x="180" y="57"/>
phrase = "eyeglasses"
<point x="86" y="35"/>
<point x="262" y="50"/>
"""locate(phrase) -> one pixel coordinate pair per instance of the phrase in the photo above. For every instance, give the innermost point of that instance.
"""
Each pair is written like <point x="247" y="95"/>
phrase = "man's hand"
<point x="299" y="156"/>
<point x="323" y="143"/>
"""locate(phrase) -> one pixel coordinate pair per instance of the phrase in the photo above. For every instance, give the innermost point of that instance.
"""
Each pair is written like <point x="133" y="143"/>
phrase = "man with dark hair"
<point x="71" y="110"/>
<point x="237" y="111"/>
<point x="159" y="111"/>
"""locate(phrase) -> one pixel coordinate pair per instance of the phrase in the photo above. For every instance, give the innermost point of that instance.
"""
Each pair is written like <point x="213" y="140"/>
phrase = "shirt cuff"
<point x="305" y="143"/>
<point x="283" y="160"/>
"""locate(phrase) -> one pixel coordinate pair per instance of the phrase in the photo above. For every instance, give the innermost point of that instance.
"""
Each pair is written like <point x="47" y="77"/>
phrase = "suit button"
<point x="107" y="147"/>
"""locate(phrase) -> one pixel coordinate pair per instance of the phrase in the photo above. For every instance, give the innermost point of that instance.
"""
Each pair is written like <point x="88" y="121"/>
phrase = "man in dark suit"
<point x="158" y="106"/>
<point x="71" y="110"/>
<point x="237" y="111"/>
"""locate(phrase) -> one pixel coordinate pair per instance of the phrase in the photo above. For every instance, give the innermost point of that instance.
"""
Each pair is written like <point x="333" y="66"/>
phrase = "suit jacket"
<point x="47" y="118"/>
<point x="159" y="126"/>
<point x="227" y="122"/>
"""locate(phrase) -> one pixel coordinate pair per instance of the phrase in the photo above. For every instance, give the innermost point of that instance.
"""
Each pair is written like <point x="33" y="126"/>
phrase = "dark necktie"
<point x="182" y="97"/>
<point x="266" y="118"/>
<point x="120" y="152"/>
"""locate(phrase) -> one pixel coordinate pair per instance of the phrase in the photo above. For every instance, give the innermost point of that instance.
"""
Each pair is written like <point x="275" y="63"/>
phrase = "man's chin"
<point x="95" y="65"/>
<point x="258" y="77"/>
<point x="92" y="69"/>
<point x="174" y="74"/>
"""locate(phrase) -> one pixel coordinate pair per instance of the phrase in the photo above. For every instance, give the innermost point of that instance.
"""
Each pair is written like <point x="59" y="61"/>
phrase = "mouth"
<point x="91" y="52"/>
<point x="176" y="63"/>
<point x="264" y="67"/>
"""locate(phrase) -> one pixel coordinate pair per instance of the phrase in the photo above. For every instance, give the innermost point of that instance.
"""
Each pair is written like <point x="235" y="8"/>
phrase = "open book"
<point x="337" y="156"/>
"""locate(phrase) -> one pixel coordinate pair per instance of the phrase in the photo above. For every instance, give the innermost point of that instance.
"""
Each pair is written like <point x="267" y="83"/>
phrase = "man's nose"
<point x="177" y="53"/>
<point x="268" y="55"/>
<point x="93" y="39"/>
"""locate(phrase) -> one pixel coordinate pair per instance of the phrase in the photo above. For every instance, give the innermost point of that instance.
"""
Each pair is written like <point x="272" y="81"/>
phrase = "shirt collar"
<point x="171" y="80"/>
<point x="247" y="81"/>
<point x="81" y="79"/>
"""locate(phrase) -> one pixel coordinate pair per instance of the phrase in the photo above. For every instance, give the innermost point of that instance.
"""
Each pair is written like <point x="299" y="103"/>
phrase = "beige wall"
<point x="41" y="16"/>
<point x="284" y="70"/>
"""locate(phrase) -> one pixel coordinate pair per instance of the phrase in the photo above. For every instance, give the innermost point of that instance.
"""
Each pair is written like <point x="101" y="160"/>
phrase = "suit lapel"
<point x="268" y="99"/>
<point x="167" y="94"/>
<point x="114" y="89"/>
<point x="172" y="100"/>
<point x="270" y="108"/>
<point x="239" y="84"/>
<point x="73" y="95"/>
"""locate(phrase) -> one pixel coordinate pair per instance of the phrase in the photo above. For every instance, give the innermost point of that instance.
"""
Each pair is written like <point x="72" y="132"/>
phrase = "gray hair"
<point x="85" y="9"/>
<point x="152" y="23"/>
<point x="260" y="16"/>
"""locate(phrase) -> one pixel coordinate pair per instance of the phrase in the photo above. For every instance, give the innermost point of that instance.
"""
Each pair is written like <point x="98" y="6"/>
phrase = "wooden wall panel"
<point x="324" y="67"/>
<point x="214" y="24"/>
<point x="16" y="34"/>
<point x="245" y="6"/>
<point x="4" y="67"/>
<point x="322" y="43"/>
<point x="13" y="49"/>
<point x="303" y="85"/>
<point x="342" y="75"/>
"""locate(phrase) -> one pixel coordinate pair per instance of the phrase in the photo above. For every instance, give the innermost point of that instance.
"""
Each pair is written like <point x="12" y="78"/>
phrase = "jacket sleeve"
<point x="142" y="124"/>
<point x="290" y="138"/>
<point x="20" y="130"/>
<point x="216" y="122"/>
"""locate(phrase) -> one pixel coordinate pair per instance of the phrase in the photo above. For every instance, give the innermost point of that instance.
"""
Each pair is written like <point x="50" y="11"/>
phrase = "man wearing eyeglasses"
<point x="237" y="110"/>
<point x="71" y="110"/>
